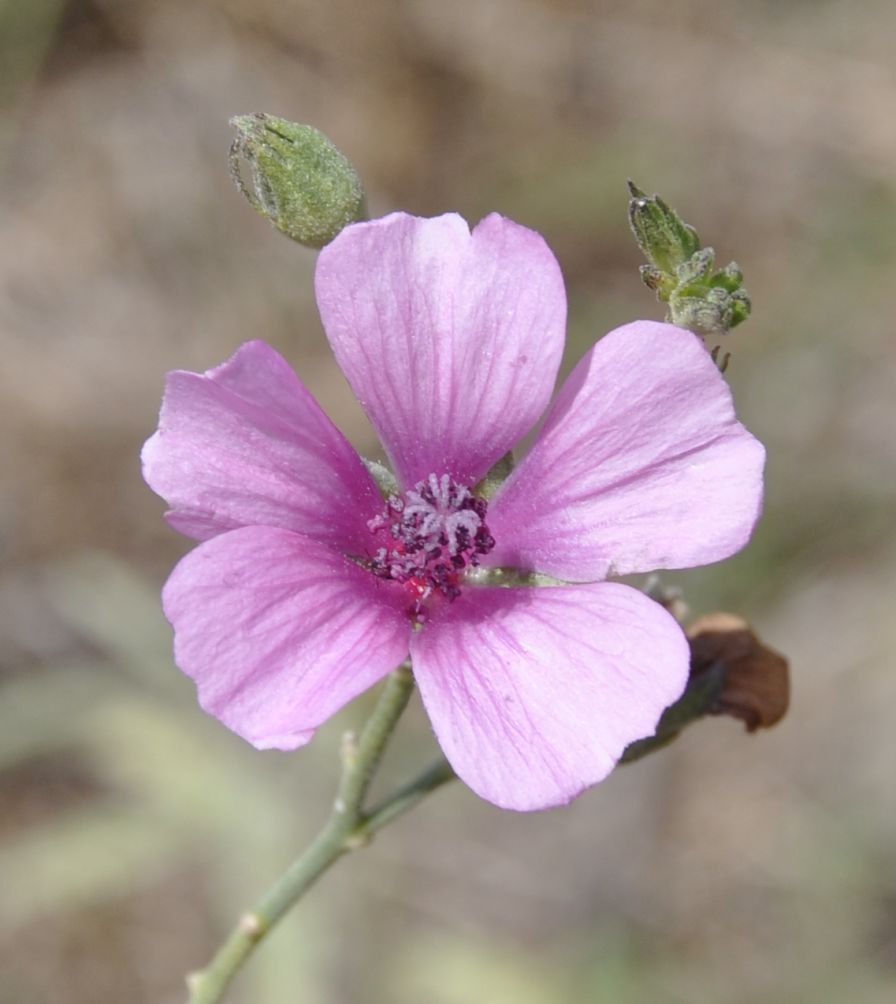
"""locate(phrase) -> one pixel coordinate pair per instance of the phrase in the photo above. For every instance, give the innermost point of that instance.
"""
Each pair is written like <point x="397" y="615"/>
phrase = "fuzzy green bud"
<point x="300" y="181"/>
<point x="681" y="273"/>
<point x="662" y="235"/>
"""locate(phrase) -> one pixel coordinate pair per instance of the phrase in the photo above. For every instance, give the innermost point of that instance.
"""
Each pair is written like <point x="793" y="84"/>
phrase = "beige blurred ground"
<point x="727" y="870"/>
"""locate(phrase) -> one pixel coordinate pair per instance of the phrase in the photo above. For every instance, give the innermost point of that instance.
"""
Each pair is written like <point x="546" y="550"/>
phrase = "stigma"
<point x="429" y="537"/>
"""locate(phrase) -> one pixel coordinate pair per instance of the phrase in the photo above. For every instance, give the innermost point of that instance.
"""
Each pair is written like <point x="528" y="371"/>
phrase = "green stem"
<point x="697" y="701"/>
<point x="405" y="798"/>
<point x="348" y="827"/>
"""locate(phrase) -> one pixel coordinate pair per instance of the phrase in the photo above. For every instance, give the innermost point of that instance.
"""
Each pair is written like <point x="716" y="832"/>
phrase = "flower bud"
<point x="681" y="273"/>
<point x="662" y="235"/>
<point x="305" y="186"/>
<point x="496" y="477"/>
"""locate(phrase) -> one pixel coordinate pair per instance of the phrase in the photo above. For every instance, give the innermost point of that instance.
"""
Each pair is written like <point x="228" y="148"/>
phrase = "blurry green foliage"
<point x="175" y="787"/>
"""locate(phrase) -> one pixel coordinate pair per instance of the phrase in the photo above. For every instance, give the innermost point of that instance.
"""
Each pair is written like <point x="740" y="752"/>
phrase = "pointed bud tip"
<point x="663" y="237"/>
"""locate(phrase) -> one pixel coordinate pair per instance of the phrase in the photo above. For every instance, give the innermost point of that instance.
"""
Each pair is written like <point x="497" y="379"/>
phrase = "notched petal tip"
<point x="246" y="444"/>
<point x="451" y="340"/>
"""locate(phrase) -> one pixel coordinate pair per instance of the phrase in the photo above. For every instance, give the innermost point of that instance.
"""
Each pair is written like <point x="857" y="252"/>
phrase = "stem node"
<point x="357" y="839"/>
<point x="252" y="925"/>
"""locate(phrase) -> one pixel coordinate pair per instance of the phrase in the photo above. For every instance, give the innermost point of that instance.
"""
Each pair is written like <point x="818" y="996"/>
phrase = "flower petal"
<point x="450" y="340"/>
<point x="246" y="444"/>
<point x="279" y="632"/>
<point x="641" y="464"/>
<point x="535" y="693"/>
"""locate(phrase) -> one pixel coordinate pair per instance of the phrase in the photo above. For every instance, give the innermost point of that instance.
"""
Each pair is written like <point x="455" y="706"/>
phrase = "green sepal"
<point x="731" y="277"/>
<point x="741" y="306"/>
<point x="496" y="476"/>
<point x="697" y="270"/>
<point x="516" y="578"/>
<point x="384" y="478"/>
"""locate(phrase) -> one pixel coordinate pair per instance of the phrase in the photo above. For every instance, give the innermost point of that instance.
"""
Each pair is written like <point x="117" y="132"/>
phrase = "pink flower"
<point x="309" y="587"/>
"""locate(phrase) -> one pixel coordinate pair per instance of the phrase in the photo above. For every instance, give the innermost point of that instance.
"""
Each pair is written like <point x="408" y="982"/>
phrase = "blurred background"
<point x="726" y="870"/>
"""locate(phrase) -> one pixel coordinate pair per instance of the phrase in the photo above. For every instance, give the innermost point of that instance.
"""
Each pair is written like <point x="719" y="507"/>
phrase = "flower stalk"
<point x="348" y="828"/>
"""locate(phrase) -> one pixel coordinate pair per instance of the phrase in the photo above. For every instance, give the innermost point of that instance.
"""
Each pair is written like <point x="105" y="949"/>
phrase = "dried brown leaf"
<point x="757" y="683"/>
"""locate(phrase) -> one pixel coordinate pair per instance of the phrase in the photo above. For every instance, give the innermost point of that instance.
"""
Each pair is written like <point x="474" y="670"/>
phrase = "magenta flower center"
<point x="430" y="536"/>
